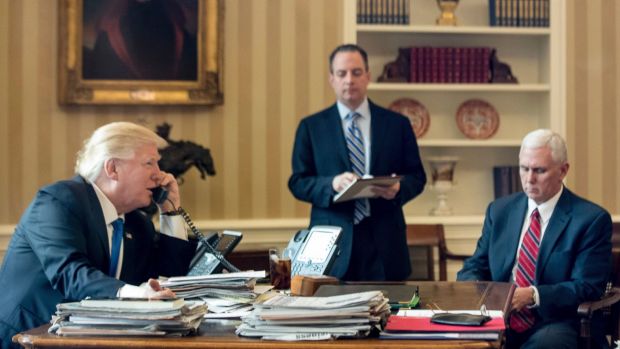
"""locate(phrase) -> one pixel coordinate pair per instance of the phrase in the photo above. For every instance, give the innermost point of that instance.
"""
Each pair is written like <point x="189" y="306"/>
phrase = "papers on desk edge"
<point x="362" y="188"/>
<point x="414" y="327"/>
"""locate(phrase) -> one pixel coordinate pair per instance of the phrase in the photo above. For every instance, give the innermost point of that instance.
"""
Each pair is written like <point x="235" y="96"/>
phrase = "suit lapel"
<point x="512" y="234"/>
<point x="378" y="134"/>
<point x="556" y="226"/>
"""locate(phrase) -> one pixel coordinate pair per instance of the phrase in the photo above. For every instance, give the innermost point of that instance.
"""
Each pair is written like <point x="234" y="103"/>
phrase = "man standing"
<point x="554" y="245"/>
<point x="85" y="237"/>
<point x="352" y="138"/>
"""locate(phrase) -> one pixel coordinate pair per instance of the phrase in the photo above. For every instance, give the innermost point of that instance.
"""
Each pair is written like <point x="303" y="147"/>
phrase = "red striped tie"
<point x="526" y="271"/>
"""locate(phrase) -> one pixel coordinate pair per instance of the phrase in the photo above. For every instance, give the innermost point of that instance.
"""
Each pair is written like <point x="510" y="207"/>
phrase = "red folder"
<point x="424" y="324"/>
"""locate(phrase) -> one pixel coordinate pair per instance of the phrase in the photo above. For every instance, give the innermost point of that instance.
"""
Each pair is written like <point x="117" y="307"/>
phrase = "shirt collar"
<point x="109" y="211"/>
<point x="363" y="109"/>
<point x="546" y="208"/>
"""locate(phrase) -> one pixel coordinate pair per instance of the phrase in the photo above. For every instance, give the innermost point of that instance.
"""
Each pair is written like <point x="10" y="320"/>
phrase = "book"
<point x="362" y="188"/>
<point x="134" y="304"/>
<point x="423" y="328"/>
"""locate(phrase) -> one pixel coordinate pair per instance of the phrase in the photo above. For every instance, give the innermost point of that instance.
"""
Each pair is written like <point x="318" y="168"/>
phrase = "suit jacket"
<point x="59" y="252"/>
<point x="574" y="258"/>
<point x="320" y="153"/>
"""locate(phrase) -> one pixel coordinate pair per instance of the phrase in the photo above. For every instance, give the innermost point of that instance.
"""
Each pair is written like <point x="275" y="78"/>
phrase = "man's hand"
<point x="168" y="181"/>
<point x="341" y="181"/>
<point x="522" y="297"/>
<point x="159" y="292"/>
<point x="386" y="192"/>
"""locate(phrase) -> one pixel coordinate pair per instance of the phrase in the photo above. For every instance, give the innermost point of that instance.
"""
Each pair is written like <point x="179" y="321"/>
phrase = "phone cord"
<point x="210" y="249"/>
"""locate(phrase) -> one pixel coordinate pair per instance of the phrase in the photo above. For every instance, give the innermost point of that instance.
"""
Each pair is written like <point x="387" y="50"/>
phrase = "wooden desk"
<point x="220" y="334"/>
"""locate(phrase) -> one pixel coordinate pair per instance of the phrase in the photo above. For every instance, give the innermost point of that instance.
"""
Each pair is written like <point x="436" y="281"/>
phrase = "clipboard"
<point x="361" y="188"/>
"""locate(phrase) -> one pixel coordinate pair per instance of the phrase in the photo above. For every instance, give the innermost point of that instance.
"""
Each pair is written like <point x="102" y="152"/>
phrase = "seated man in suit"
<point x="554" y="245"/>
<point x="352" y="138"/>
<point x="85" y="237"/>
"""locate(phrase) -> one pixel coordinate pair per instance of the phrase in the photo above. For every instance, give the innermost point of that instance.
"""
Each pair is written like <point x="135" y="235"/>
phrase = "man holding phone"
<point x="86" y="237"/>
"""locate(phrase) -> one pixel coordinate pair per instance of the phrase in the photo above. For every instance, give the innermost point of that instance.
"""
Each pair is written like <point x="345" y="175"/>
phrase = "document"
<point x="362" y="187"/>
<point x="136" y="304"/>
<point x="400" y="296"/>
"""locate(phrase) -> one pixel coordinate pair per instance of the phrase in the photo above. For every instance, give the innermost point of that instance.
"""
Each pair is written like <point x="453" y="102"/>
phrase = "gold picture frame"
<point x="99" y="66"/>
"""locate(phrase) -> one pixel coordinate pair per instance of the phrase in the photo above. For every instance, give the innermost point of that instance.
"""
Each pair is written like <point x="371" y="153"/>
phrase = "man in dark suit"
<point x="352" y="138"/>
<point x="68" y="244"/>
<point x="554" y="245"/>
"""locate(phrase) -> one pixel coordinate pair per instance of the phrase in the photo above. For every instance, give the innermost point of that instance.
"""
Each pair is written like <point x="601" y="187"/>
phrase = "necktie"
<point x="117" y="237"/>
<point x="526" y="271"/>
<point x="355" y="144"/>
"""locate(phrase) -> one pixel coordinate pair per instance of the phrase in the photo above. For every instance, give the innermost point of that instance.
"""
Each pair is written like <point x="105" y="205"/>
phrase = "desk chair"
<point x="425" y="238"/>
<point x="608" y="305"/>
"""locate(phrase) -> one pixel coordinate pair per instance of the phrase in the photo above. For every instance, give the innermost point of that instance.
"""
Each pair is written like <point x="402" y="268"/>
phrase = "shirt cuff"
<point x="173" y="226"/>
<point x="131" y="291"/>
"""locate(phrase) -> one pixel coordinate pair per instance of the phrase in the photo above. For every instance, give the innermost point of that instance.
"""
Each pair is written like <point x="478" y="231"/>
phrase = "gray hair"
<point x="114" y="140"/>
<point x="545" y="137"/>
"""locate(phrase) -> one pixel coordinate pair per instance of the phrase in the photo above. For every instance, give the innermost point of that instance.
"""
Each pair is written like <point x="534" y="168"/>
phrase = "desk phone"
<point x="313" y="252"/>
<point x="204" y="261"/>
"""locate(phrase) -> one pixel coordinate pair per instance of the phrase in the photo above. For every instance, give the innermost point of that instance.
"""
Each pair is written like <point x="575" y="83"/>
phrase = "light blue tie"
<point x="355" y="144"/>
<point x="117" y="237"/>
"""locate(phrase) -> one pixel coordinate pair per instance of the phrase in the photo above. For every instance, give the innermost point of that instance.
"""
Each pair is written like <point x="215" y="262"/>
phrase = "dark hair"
<point x="348" y="48"/>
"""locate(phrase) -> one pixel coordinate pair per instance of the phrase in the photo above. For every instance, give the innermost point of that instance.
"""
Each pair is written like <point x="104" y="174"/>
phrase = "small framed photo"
<point x="143" y="52"/>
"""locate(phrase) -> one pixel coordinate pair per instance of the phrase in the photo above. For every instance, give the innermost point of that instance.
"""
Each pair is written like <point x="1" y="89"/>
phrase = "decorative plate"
<point x="477" y="119"/>
<point x="416" y="112"/>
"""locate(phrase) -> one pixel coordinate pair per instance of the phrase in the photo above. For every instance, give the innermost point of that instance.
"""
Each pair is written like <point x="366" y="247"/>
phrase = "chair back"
<point x="608" y="306"/>
<point x="423" y="240"/>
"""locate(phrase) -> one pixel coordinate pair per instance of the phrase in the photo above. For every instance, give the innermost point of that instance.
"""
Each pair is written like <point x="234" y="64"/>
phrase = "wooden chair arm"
<point x="461" y="257"/>
<point x="586" y="309"/>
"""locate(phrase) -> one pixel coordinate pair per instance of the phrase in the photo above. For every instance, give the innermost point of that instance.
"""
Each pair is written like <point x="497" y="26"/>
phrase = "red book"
<point x="426" y="72"/>
<point x="413" y="64"/>
<point x="423" y="324"/>
<point x="457" y="56"/>
<point x="435" y="65"/>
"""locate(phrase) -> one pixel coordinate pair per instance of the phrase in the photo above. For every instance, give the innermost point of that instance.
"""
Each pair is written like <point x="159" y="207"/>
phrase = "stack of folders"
<point x="280" y="317"/>
<point x="416" y="324"/>
<point x="128" y="317"/>
<point x="227" y="295"/>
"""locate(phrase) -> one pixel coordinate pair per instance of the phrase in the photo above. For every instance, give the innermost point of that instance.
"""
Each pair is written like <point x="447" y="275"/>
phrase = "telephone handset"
<point x="160" y="195"/>
<point x="207" y="259"/>
<point x="313" y="252"/>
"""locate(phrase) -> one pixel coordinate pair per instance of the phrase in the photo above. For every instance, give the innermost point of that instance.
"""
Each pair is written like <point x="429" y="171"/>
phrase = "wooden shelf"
<point x="495" y="88"/>
<point x="469" y="143"/>
<point x="429" y="29"/>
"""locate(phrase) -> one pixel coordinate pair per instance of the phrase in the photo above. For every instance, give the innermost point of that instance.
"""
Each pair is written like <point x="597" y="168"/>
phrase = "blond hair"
<point x="114" y="140"/>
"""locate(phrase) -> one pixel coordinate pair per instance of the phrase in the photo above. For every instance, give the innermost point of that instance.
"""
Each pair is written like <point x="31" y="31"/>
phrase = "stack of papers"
<point x="416" y="324"/>
<point x="128" y="317"/>
<point x="227" y="295"/>
<point x="280" y="317"/>
<point x="400" y="296"/>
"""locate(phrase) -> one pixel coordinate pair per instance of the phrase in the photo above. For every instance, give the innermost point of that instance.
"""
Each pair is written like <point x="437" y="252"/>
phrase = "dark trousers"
<point x="365" y="264"/>
<point x="544" y="335"/>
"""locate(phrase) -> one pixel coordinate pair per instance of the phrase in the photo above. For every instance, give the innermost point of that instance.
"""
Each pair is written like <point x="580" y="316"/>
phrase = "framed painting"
<point x="142" y="52"/>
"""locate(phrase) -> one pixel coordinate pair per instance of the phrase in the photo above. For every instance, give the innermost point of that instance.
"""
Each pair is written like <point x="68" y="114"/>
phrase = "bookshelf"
<point x="536" y="56"/>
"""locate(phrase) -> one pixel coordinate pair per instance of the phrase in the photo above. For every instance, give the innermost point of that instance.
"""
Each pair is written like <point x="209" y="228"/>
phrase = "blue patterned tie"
<point x="355" y="144"/>
<point x="117" y="237"/>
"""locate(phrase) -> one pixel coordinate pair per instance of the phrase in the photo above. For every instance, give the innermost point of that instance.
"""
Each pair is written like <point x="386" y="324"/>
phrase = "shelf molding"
<point x="481" y="143"/>
<point x="524" y="88"/>
<point x="431" y="29"/>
